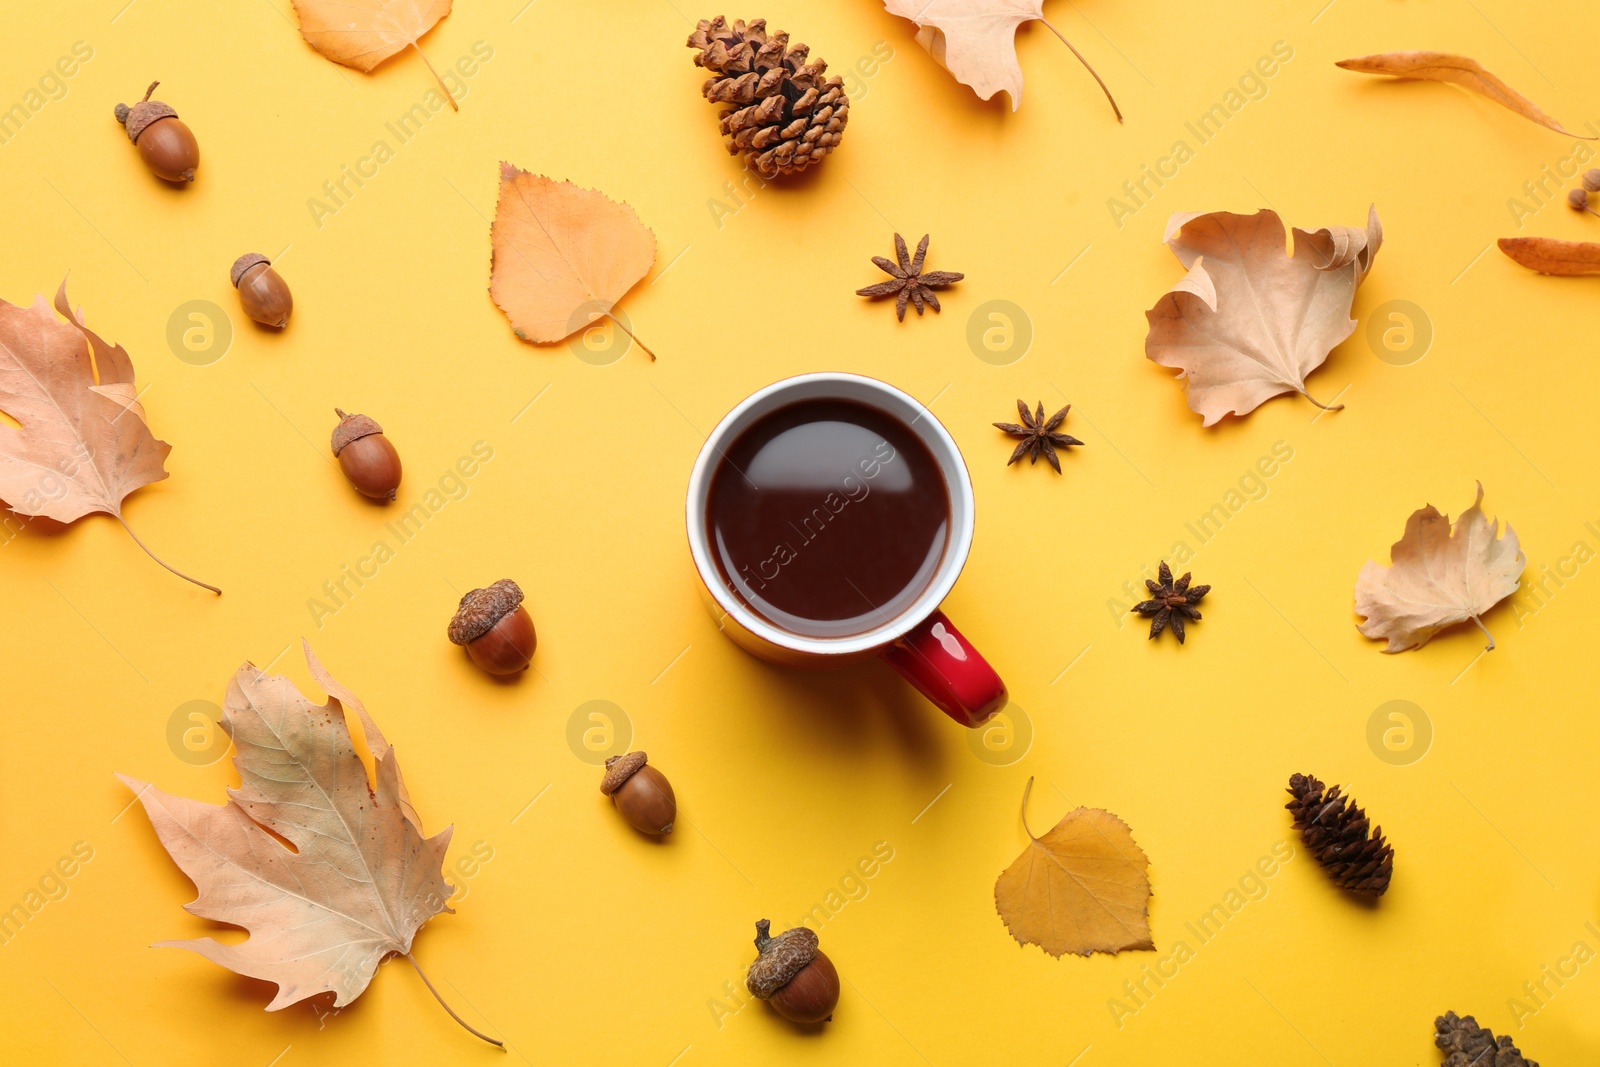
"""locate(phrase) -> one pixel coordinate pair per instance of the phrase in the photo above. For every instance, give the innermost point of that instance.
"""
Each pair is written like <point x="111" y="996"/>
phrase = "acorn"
<point x="641" y="793"/>
<point x="165" y="144"/>
<point x="495" y="628"/>
<point x="366" y="456"/>
<point x="262" y="291"/>
<point x="793" y="975"/>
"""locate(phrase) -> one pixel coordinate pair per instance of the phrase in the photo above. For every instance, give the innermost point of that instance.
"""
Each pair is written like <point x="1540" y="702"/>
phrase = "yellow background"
<point x="579" y="942"/>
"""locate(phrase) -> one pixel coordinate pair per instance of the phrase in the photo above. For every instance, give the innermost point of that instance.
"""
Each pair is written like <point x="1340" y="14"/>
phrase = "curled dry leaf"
<point x="363" y="33"/>
<point x="976" y="40"/>
<point x="83" y="443"/>
<point x="1457" y="70"/>
<point x="1440" y="576"/>
<point x="1080" y="888"/>
<point x="1250" y="321"/>
<point x="1549" y="256"/>
<point x="361" y="878"/>
<point x="563" y="255"/>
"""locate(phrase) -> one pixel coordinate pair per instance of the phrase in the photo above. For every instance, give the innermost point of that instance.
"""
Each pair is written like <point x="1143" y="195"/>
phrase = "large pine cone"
<point x="786" y="116"/>
<point x="1466" y="1044"/>
<point x="1335" y="832"/>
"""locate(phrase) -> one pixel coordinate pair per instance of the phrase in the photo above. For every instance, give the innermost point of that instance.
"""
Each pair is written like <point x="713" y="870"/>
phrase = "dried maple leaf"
<point x="83" y="445"/>
<point x="1080" y="888"/>
<point x="361" y="878"/>
<point x="1250" y="321"/>
<point x="563" y="255"/>
<point x="1441" y="575"/>
<point x="976" y="40"/>
<point x="1549" y="256"/>
<point x="1457" y="70"/>
<point x="363" y="33"/>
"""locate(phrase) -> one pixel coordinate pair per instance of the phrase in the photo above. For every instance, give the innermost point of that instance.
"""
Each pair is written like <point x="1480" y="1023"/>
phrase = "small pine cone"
<point x="784" y="116"/>
<point x="1466" y="1044"/>
<point x="1334" y="829"/>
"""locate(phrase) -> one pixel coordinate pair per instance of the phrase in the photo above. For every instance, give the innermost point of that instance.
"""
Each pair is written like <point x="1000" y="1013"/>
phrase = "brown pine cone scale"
<point x="1466" y="1044"/>
<point x="1335" y="831"/>
<point x="784" y="116"/>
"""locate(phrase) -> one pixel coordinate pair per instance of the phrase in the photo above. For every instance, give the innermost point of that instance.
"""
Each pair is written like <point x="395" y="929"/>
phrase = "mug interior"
<point x="872" y="393"/>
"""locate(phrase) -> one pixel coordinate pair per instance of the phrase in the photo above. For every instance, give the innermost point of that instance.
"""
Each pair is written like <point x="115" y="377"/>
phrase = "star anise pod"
<point x="908" y="282"/>
<point x="1170" y="603"/>
<point x="1039" y="435"/>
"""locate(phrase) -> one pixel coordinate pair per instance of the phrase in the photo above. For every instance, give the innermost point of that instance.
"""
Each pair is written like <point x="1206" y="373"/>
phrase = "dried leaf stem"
<point x="1320" y="404"/>
<point x="448" y="95"/>
<point x="1486" y="633"/>
<point x="164" y="563"/>
<point x="631" y="336"/>
<point x="1096" y="74"/>
<point x="465" y="1025"/>
<point x="1025" y="791"/>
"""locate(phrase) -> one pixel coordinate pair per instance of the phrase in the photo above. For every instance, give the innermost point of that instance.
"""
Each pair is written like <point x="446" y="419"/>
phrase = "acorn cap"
<point x="351" y="427"/>
<point x="482" y="608"/>
<point x="619" y="769"/>
<point x="244" y="263"/>
<point x="136" y="118"/>
<point x="781" y="958"/>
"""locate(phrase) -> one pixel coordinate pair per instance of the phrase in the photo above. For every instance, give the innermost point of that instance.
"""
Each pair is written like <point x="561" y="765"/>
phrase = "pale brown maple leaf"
<point x="1081" y="888"/>
<point x="1440" y="576"/>
<point x="361" y="877"/>
<point x="976" y="40"/>
<point x="563" y="256"/>
<point x="1456" y="70"/>
<point x="1550" y="256"/>
<point x="363" y="33"/>
<point x="83" y="443"/>
<point x="1250" y="321"/>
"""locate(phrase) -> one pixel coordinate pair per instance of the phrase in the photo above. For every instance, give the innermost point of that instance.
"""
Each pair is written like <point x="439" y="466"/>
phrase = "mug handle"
<point x="947" y="670"/>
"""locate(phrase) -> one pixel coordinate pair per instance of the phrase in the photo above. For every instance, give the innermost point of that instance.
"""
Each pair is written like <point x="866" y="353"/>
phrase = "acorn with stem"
<point x="791" y="973"/>
<point x="367" y="458"/>
<point x="165" y="144"/>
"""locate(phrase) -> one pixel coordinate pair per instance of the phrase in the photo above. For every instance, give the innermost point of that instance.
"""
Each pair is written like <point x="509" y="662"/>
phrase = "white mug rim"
<point x="958" y="484"/>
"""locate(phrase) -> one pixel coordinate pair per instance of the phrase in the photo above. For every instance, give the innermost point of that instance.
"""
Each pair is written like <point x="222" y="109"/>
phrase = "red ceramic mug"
<point x="918" y="641"/>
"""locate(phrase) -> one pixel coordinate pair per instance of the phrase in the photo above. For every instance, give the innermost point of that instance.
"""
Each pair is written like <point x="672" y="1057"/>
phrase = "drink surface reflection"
<point x="828" y="517"/>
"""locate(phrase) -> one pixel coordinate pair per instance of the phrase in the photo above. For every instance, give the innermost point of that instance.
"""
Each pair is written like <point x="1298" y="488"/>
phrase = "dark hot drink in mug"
<point x="828" y="517"/>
